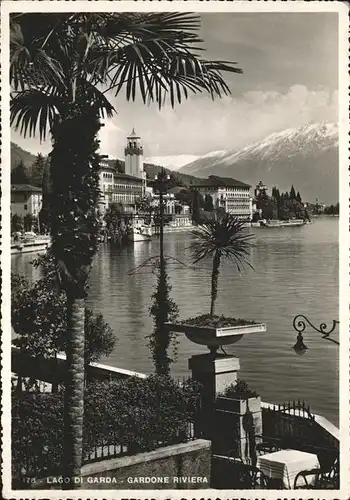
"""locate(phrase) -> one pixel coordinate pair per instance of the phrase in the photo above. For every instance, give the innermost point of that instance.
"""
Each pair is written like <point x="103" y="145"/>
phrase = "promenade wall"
<point x="180" y="466"/>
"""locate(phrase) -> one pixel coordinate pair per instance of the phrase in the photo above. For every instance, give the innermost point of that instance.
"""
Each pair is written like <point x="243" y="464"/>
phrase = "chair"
<point x="232" y="473"/>
<point x="324" y="478"/>
<point x="267" y="446"/>
<point x="329" y="479"/>
<point x="306" y="479"/>
<point x="250" y="477"/>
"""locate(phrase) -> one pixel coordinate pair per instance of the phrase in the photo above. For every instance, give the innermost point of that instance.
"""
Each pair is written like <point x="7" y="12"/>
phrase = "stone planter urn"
<point x="229" y="422"/>
<point x="218" y="332"/>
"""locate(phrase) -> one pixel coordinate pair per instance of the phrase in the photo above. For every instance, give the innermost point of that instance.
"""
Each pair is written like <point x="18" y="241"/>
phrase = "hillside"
<point x="152" y="170"/>
<point x="306" y="157"/>
<point x="19" y="155"/>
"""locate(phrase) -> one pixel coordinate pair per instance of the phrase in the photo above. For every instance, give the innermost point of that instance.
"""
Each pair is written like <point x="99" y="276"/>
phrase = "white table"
<point x="286" y="464"/>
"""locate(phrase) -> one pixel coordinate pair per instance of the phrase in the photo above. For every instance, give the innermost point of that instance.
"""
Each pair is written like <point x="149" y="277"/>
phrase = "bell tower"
<point x="134" y="155"/>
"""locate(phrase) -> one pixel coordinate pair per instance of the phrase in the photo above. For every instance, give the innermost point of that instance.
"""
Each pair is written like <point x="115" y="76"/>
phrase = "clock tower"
<point x="134" y="158"/>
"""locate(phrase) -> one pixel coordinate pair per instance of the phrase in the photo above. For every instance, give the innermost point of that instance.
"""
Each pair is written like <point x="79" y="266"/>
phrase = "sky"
<point x="290" y="79"/>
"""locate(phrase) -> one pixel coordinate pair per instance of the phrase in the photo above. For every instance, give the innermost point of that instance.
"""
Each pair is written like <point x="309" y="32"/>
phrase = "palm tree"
<point x="223" y="236"/>
<point x="62" y="68"/>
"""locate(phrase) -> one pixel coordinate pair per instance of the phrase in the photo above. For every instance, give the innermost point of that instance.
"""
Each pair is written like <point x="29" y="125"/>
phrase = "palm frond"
<point x="34" y="111"/>
<point x="173" y="73"/>
<point x="225" y="235"/>
<point x="154" y="54"/>
<point x="97" y="98"/>
<point x="30" y="65"/>
<point x="151" y="54"/>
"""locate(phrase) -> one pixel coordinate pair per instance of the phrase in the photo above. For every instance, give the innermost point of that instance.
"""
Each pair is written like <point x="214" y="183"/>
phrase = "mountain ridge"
<point x="305" y="156"/>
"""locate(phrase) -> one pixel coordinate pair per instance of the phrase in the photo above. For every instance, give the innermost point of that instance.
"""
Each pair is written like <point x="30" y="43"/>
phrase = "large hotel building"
<point x="129" y="186"/>
<point x="231" y="195"/>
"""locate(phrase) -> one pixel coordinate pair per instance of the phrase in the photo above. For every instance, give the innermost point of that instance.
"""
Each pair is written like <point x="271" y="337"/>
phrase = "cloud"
<point x="200" y="125"/>
<point x="111" y="134"/>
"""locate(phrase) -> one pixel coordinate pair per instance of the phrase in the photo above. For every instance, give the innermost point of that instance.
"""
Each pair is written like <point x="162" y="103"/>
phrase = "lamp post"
<point x="299" y="324"/>
<point x="161" y="185"/>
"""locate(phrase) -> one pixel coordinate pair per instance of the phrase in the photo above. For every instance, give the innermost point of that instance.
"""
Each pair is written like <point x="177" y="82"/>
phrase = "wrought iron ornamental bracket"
<point x="300" y="323"/>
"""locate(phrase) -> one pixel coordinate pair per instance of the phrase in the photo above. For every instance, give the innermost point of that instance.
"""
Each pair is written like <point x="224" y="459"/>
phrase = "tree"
<point x="196" y="206"/>
<point x="45" y="212"/>
<point x="185" y="197"/>
<point x="292" y="194"/>
<point x="39" y="317"/>
<point x="266" y="205"/>
<point x="175" y="180"/>
<point x="222" y="237"/>
<point x="30" y="223"/>
<point x="58" y="64"/>
<point x="143" y="205"/>
<point x="113" y="218"/>
<point x="208" y="203"/>
<point x="119" y="167"/>
<point x="19" y="174"/>
<point x="332" y="209"/>
<point x="37" y="170"/>
<point x="276" y="196"/>
<point x="163" y="309"/>
<point x="17" y="223"/>
<point x="255" y="217"/>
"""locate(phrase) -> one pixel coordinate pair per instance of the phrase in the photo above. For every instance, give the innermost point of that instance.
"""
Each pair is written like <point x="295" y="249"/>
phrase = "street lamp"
<point x="299" y="325"/>
<point x="161" y="185"/>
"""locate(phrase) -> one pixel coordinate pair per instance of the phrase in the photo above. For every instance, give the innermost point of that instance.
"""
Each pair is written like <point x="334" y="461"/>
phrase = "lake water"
<point x="295" y="272"/>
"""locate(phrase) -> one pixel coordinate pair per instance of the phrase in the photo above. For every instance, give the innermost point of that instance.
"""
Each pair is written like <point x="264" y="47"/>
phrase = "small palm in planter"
<point x="223" y="237"/>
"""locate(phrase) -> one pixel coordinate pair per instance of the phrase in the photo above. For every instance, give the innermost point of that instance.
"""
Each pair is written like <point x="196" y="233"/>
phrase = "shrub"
<point x="240" y="390"/>
<point x="39" y="317"/>
<point x="37" y="433"/>
<point x="140" y="414"/>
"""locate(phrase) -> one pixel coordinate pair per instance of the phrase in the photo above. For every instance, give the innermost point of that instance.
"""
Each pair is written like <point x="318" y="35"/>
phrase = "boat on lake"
<point x="29" y="242"/>
<point x="140" y="233"/>
<point x="282" y="223"/>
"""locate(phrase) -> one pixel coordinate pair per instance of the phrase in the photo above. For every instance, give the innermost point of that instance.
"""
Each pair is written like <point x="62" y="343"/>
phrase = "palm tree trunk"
<point x="214" y="281"/>
<point x="74" y="391"/>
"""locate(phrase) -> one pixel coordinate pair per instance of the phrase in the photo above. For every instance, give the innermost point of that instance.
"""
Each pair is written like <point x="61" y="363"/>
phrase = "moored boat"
<point x="140" y="233"/>
<point x="282" y="223"/>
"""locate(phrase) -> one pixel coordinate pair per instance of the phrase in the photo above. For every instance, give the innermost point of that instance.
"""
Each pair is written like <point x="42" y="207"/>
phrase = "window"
<point x="25" y="207"/>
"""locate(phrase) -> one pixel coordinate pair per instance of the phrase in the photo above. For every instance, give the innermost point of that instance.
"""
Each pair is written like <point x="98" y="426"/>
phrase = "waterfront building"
<point x="230" y="194"/>
<point x="124" y="187"/>
<point x="118" y="187"/>
<point x="130" y="185"/>
<point x="26" y="199"/>
<point x="168" y="202"/>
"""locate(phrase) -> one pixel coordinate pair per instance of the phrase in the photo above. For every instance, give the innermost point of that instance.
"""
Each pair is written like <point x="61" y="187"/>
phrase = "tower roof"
<point x="133" y="134"/>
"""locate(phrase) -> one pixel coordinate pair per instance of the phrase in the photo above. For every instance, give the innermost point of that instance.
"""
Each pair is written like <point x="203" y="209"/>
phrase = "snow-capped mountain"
<point x="173" y="162"/>
<point x="306" y="157"/>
